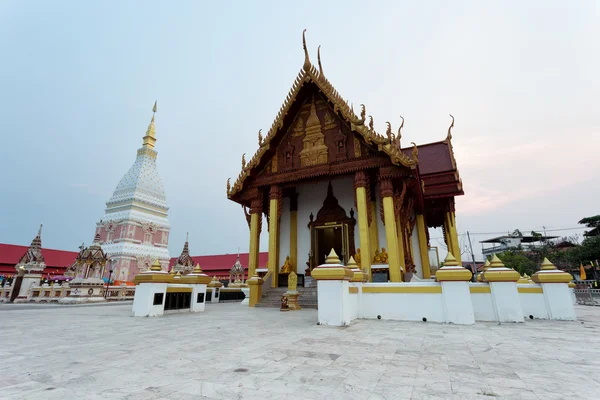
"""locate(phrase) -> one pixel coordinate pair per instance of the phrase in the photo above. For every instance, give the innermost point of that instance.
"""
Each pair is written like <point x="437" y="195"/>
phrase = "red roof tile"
<point x="222" y="263"/>
<point x="56" y="260"/>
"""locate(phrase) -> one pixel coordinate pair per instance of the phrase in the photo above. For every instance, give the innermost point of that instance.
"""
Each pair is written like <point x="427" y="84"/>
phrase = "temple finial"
<point x="150" y="137"/>
<point x="319" y="60"/>
<point x="187" y="235"/>
<point x="40" y="230"/>
<point x="400" y="129"/>
<point x="449" y="137"/>
<point x="306" y="59"/>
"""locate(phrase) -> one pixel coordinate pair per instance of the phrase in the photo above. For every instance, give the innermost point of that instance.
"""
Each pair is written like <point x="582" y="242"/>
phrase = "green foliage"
<point x="518" y="260"/>
<point x="591" y="222"/>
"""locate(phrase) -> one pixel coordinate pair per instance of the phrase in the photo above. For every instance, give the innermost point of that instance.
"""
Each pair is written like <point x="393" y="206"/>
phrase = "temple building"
<point x="185" y="263"/>
<point x="134" y="230"/>
<point x="324" y="178"/>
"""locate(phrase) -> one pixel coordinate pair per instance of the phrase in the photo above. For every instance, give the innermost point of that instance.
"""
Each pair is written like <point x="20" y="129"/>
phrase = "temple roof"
<point x="93" y="253"/>
<point x="142" y="182"/>
<point x="310" y="75"/>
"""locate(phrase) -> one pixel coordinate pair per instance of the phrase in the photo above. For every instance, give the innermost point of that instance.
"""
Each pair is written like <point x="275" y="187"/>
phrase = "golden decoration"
<point x="388" y="132"/>
<point x="415" y="152"/>
<point x="371" y="124"/>
<point x="150" y="138"/>
<point x="292" y="281"/>
<point x="244" y="161"/>
<point x="260" y="138"/>
<point x="357" y="257"/>
<point x="357" y="150"/>
<point x="156" y="265"/>
<point x="228" y="185"/>
<point x="154" y="108"/>
<point x="274" y="163"/>
<point x="314" y="150"/>
<point x="306" y="66"/>
<point x="332" y="258"/>
<point x="363" y="113"/>
<point x="287" y="266"/>
<point x="449" y="137"/>
<point x="309" y="74"/>
<point x="329" y="121"/>
<point x="319" y="60"/>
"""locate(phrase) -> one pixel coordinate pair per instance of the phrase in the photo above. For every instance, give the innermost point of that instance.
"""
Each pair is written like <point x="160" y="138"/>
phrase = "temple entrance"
<point x="332" y="229"/>
<point x="327" y="238"/>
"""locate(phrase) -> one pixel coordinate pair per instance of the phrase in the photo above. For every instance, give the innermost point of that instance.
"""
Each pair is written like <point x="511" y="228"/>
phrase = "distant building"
<point x="512" y="241"/>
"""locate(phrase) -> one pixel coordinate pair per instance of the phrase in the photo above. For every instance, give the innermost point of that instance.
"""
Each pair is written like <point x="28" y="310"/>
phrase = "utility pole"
<point x="472" y="257"/>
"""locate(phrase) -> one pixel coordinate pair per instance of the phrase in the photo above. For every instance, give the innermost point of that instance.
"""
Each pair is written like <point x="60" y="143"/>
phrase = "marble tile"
<point x="231" y="352"/>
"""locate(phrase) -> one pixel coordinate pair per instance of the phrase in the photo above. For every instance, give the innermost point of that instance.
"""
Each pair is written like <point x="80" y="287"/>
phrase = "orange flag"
<point x="582" y="276"/>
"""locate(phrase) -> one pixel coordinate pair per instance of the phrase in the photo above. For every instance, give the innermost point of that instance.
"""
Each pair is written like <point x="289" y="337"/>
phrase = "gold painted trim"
<point x="402" y="289"/>
<point x="353" y="290"/>
<point x="179" y="290"/>
<point x="480" y="289"/>
<point x="530" y="290"/>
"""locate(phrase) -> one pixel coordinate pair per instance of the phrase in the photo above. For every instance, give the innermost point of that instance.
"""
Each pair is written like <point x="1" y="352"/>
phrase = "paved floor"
<point x="232" y="352"/>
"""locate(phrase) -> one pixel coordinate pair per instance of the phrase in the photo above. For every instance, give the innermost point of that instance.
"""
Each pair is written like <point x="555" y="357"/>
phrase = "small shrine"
<point x="29" y="270"/>
<point x="88" y="269"/>
<point x="237" y="275"/>
<point x="158" y="291"/>
<point x="185" y="263"/>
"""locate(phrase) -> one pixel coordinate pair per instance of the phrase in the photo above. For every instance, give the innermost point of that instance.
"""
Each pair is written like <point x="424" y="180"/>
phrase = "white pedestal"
<point x="507" y="305"/>
<point x="331" y="296"/>
<point x="559" y="301"/>
<point x="28" y="281"/>
<point x="246" y="301"/>
<point x="457" y="303"/>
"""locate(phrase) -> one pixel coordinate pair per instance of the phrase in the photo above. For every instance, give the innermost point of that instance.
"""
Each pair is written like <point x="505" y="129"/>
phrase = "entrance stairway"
<point x="272" y="297"/>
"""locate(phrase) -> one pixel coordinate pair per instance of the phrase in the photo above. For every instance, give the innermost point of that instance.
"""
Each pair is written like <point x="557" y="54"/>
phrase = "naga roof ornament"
<point x="310" y="74"/>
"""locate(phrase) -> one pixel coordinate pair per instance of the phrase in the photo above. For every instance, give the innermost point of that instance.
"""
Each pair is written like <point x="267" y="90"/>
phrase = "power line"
<point x="508" y="232"/>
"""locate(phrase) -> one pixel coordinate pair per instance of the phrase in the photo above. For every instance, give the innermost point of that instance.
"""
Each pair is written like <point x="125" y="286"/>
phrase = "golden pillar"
<point x="255" y="228"/>
<point x="452" y="236"/>
<point x="294" y="230"/>
<point x="361" y="183"/>
<point x="423" y="246"/>
<point x="274" y="213"/>
<point x="391" y="233"/>
<point x="373" y="231"/>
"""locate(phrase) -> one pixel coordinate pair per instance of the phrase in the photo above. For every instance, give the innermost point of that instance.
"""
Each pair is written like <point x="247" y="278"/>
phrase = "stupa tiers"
<point x="29" y="269"/>
<point x="135" y="228"/>
<point x="367" y="192"/>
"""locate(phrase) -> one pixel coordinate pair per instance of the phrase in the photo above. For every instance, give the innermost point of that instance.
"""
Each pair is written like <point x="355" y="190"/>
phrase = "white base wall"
<point x="463" y="303"/>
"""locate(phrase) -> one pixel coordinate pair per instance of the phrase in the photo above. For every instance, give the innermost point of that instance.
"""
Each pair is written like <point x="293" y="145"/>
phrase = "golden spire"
<point x="156" y="266"/>
<point x="449" y="137"/>
<point x="319" y="60"/>
<point x="306" y="59"/>
<point x="332" y="258"/>
<point x="150" y="137"/>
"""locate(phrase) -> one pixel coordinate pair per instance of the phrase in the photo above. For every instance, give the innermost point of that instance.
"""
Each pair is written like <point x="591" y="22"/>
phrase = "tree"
<point x="518" y="260"/>
<point x="591" y="222"/>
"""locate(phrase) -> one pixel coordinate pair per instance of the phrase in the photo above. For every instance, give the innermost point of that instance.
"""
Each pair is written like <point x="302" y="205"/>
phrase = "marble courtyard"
<point x="234" y="352"/>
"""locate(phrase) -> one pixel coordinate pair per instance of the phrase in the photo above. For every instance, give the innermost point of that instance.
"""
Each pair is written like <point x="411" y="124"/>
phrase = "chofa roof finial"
<point x="319" y="60"/>
<point x="400" y="129"/>
<point x="306" y="59"/>
<point x="449" y="137"/>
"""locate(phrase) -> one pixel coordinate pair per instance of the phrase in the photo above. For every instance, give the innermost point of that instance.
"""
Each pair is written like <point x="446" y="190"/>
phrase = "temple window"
<point x="340" y="146"/>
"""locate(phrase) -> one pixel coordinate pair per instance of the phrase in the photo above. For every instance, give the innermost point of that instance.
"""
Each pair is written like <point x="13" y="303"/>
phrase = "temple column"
<point x="274" y="214"/>
<point x="391" y="233"/>
<point x="451" y="235"/>
<point x="423" y="246"/>
<point x="255" y="228"/>
<point x="361" y="182"/>
<point x="294" y="231"/>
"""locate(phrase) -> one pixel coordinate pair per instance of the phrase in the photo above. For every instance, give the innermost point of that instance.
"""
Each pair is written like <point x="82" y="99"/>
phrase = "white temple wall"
<point x="417" y="253"/>
<point x="310" y="200"/>
<point x="340" y="302"/>
<point x="380" y="225"/>
<point x="284" y="233"/>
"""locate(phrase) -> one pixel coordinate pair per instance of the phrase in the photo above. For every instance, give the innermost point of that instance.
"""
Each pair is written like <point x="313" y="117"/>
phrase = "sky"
<point x="78" y="81"/>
